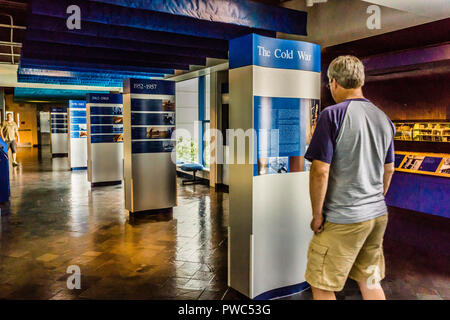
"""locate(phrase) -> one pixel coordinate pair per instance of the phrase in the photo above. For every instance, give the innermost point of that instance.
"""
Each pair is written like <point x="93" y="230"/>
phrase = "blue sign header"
<point x="79" y="104"/>
<point x="268" y="52"/>
<point x="113" y="98"/>
<point x="58" y="109"/>
<point x="144" y="86"/>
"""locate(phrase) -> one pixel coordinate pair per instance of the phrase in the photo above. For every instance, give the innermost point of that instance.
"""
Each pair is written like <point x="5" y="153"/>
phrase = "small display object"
<point x="105" y="138"/>
<point x="423" y="131"/>
<point x="59" y="131"/>
<point x="423" y="163"/>
<point x="78" y="134"/>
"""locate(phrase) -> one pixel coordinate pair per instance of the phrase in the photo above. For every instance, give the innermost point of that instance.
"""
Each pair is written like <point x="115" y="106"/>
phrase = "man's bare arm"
<point x="387" y="176"/>
<point x="318" y="184"/>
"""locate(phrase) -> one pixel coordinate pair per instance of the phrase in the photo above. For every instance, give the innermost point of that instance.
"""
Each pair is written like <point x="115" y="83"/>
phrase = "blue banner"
<point x="151" y="132"/>
<point x="268" y="52"/>
<point x="77" y="113"/>
<point x="107" y="129"/>
<point x="113" y="111"/>
<point x="78" y="120"/>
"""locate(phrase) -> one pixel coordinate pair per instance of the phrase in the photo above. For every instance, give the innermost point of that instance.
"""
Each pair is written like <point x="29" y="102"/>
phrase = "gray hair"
<point x="348" y="72"/>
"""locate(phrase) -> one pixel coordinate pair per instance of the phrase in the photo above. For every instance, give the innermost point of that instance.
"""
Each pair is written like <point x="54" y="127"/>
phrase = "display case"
<point x="435" y="164"/>
<point x="426" y="131"/>
<point x="421" y="183"/>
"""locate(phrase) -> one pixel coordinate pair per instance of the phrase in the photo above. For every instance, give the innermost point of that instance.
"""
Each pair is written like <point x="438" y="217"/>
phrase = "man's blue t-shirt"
<point x="356" y="139"/>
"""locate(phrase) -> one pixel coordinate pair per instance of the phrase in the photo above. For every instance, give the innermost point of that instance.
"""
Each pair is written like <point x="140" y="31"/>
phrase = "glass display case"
<point x="422" y="131"/>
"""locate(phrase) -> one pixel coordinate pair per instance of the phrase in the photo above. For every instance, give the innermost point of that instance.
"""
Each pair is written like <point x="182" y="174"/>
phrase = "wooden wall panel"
<point x="424" y="98"/>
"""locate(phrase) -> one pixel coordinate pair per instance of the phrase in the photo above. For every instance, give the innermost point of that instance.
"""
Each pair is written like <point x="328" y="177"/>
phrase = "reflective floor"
<point x="56" y="220"/>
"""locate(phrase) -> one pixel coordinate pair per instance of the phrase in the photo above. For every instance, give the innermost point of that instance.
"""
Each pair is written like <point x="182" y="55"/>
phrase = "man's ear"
<point x="334" y="84"/>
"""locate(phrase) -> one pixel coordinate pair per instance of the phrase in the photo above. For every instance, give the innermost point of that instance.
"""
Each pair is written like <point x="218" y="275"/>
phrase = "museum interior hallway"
<point x="56" y="220"/>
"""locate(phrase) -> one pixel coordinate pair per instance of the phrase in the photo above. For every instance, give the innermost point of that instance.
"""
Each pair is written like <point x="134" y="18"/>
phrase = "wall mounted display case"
<point x="431" y="131"/>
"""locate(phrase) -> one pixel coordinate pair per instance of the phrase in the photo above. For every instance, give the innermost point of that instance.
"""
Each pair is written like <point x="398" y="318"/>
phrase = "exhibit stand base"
<point x="79" y="168"/>
<point x="283" y="292"/>
<point x="154" y="215"/>
<point x="150" y="182"/>
<point x="60" y="155"/>
<point x="104" y="184"/>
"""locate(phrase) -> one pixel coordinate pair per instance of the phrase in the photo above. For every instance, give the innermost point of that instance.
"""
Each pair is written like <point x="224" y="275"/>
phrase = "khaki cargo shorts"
<point x="346" y="250"/>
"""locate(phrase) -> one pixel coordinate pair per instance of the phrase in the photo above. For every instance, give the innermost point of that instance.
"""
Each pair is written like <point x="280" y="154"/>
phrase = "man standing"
<point x="352" y="158"/>
<point x="9" y="132"/>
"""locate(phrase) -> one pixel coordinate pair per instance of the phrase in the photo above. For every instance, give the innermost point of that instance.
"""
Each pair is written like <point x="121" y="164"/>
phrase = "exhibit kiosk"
<point x="149" y="163"/>
<point x="105" y="138"/>
<point x="58" y="116"/>
<point x="274" y="88"/>
<point x="77" y="134"/>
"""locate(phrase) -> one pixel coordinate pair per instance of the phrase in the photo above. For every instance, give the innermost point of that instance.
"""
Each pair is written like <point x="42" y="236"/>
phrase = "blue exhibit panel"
<point x="78" y="113"/>
<point x="166" y="118"/>
<point x="257" y="50"/>
<point x="76" y="135"/>
<point x="106" y="118"/>
<point x="418" y="192"/>
<point x="58" y="121"/>
<point x="152" y="105"/>
<point x="106" y="138"/>
<point x="280" y="125"/>
<point x="152" y="120"/>
<point x="78" y="127"/>
<point x="398" y="160"/>
<point x="58" y="110"/>
<point x="152" y="146"/>
<point x="430" y="164"/>
<point x="58" y="118"/>
<point x="77" y="104"/>
<point x="59" y="130"/>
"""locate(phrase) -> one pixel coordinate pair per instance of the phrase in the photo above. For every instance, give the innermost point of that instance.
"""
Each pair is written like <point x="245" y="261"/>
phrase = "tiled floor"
<point x="56" y="220"/>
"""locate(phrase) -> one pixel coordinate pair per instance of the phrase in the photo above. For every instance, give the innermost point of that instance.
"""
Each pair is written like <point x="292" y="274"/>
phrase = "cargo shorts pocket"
<point x="316" y="257"/>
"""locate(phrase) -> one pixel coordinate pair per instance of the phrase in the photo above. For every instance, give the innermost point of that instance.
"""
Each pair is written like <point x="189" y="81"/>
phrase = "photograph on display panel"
<point x="445" y="168"/>
<point x="413" y="162"/>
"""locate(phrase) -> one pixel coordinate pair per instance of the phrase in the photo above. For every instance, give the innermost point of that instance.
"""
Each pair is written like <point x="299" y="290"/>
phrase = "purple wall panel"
<point x="421" y="193"/>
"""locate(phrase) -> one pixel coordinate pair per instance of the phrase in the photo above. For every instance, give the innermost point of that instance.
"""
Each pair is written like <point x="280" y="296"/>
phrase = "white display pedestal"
<point x="149" y="120"/>
<point x="273" y="85"/>
<point x="58" y="135"/>
<point x="77" y="124"/>
<point x="105" y="138"/>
